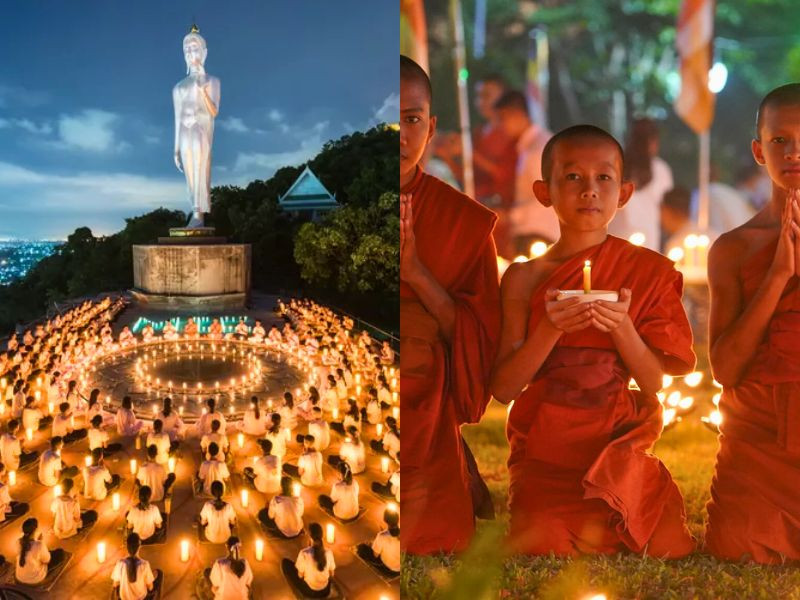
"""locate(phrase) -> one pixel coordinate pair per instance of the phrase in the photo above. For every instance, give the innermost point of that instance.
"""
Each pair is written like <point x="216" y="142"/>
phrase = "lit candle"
<point x="240" y="440"/>
<point x="330" y="533"/>
<point x="392" y="507"/>
<point x="587" y="277"/>
<point x="245" y="498"/>
<point x="358" y="377"/>
<point x="288" y="433"/>
<point x="384" y="464"/>
<point x="184" y="550"/>
<point x="295" y="487"/>
<point x="379" y="429"/>
<point x="394" y="397"/>
<point x="138" y="443"/>
<point x="87" y="460"/>
<point x="259" y="549"/>
<point x="396" y="412"/>
<point x="12" y="478"/>
<point x="115" y="501"/>
<point x="57" y="490"/>
<point x="50" y="407"/>
<point x="133" y="466"/>
<point x="101" y="552"/>
<point x="171" y="464"/>
<point x="358" y="390"/>
<point x="29" y="433"/>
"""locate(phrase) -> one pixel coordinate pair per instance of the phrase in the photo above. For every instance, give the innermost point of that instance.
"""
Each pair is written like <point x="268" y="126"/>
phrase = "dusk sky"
<point x="86" y="117"/>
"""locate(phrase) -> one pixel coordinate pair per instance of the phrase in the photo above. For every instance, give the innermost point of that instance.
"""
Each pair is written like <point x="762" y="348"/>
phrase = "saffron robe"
<point x="582" y="477"/>
<point x="754" y="511"/>
<point x="443" y="386"/>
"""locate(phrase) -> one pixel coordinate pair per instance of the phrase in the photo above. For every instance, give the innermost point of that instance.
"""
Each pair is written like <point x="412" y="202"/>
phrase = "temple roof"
<point x="307" y="193"/>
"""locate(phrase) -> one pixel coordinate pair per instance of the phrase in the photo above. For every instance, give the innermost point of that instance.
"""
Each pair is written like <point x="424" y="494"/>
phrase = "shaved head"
<point x="411" y="71"/>
<point x="781" y="96"/>
<point x="576" y="133"/>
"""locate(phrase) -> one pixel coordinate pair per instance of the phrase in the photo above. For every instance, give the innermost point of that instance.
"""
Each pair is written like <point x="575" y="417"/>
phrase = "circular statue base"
<point x="208" y="276"/>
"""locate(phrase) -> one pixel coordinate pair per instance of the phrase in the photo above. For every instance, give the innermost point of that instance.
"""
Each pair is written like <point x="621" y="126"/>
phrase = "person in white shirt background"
<point x="98" y="480"/>
<point x="217" y="517"/>
<point x="283" y="515"/>
<point x="34" y="561"/>
<point x="11" y="449"/>
<point x="231" y="576"/>
<point x="212" y="470"/>
<point x="265" y="474"/>
<point x="155" y="476"/>
<point x="51" y="469"/>
<point x="132" y="577"/>
<point x="67" y="517"/>
<point x="384" y="552"/>
<point x="343" y="500"/>
<point x="312" y="572"/>
<point x="99" y="437"/>
<point x="145" y="519"/>
<point x="127" y="423"/>
<point x="173" y="424"/>
<point x="254" y="421"/>
<point x="651" y="177"/>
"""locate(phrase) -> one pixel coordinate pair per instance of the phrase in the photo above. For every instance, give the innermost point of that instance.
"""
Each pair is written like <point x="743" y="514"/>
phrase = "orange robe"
<point x="754" y="510"/>
<point x="582" y="476"/>
<point x="444" y="386"/>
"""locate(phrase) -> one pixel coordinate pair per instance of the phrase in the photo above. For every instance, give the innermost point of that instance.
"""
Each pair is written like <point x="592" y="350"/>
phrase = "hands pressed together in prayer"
<point x="786" y="262"/>
<point x="409" y="259"/>
<point x="570" y="315"/>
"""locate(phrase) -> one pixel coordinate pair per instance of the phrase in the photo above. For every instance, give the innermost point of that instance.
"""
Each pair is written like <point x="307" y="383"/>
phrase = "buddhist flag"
<point x="413" y="32"/>
<point x="695" y="104"/>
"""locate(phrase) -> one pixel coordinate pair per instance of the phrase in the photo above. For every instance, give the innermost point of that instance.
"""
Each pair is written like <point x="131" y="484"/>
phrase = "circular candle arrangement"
<point x="190" y="371"/>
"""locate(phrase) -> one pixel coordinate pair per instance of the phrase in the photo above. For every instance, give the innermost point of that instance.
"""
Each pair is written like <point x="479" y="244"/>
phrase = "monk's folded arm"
<point x="644" y="365"/>
<point x="735" y="333"/>
<point x="515" y="371"/>
<point x="435" y="299"/>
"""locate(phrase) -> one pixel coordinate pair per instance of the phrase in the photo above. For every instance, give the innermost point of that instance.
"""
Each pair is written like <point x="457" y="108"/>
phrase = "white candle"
<point x="101" y="552"/>
<point x="330" y="533"/>
<point x="184" y="550"/>
<point x="396" y="412"/>
<point x="384" y="464"/>
<point x="295" y="488"/>
<point x="335" y="413"/>
<point x="391" y="506"/>
<point x="29" y="433"/>
<point x="115" y="501"/>
<point x="379" y="429"/>
<point x="57" y="490"/>
<point x="245" y="498"/>
<point x="240" y="439"/>
<point x="259" y="549"/>
<point x="87" y="460"/>
<point x="133" y="466"/>
<point x="12" y="478"/>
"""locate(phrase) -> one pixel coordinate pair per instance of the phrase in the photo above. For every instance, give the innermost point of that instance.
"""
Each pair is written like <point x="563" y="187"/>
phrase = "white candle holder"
<point x="594" y="295"/>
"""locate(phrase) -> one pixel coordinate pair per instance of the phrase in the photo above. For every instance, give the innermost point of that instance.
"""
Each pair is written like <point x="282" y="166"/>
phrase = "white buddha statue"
<point x="196" y="101"/>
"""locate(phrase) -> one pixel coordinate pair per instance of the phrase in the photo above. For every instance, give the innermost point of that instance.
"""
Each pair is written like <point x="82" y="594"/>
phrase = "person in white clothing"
<point x="64" y="425"/>
<point x="257" y="334"/>
<point x="254" y="421"/>
<point x="132" y="576"/>
<point x="9" y="509"/>
<point x="265" y="474"/>
<point x="161" y="441"/>
<point x="34" y="561"/>
<point x="217" y="517"/>
<point x="343" y="501"/>
<point x="384" y="552"/>
<point x="51" y="469"/>
<point x="98" y="437"/>
<point x="231" y="576"/>
<point x="212" y="470"/>
<point x="67" y="517"/>
<point x="127" y="423"/>
<point x="529" y="219"/>
<point x="309" y="464"/>
<point x="390" y="443"/>
<point x="216" y="437"/>
<point x="651" y="177"/>
<point x="284" y="514"/>
<point x="319" y="428"/>
<point x="211" y="414"/>
<point x="288" y="411"/>
<point x="173" y="424"/>
<point x="155" y="476"/>
<point x="352" y="452"/>
<point x="98" y="480"/>
<point x="312" y="572"/>
<point x="145" y="519"/>
<point x="276" y="436"/>
<point x="11" y="449"/>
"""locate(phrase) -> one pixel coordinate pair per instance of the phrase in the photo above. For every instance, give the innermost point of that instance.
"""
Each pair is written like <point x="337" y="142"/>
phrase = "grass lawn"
<point x="688" y="451"/>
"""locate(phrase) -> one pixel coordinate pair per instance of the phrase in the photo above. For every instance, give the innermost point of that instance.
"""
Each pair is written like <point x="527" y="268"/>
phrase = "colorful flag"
<point x="413" y="32"/>
<point x="695" y="103"/>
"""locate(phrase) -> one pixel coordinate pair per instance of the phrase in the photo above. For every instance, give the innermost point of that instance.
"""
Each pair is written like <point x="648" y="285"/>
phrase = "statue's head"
<point x="194" y="49"/>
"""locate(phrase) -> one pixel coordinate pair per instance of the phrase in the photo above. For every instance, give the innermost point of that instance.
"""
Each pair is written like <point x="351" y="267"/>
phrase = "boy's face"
<point x="513" y="122"/>
<point x="416" y="126"/>
<point x="585" y="187"/>
<point x="779" y="145"/>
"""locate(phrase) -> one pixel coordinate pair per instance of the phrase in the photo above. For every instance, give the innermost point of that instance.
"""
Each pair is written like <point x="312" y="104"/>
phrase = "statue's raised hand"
<point x="178" y="162"/>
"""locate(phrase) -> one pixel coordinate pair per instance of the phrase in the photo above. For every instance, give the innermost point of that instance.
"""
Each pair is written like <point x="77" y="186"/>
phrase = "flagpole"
<point x="459" y="60"/>
<point x="703" y="180"/>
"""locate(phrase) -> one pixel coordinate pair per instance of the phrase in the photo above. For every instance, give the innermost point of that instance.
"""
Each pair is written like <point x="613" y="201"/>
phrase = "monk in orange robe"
<point x="754" y="512"/>
<point x="582" y="477"/>
<point x="449" y="324"/>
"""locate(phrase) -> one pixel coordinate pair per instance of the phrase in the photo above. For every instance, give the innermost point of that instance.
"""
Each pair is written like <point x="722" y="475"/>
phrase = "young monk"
<point x="753" y="270"/>
<point x="449" y="315"/>
<point x="582" y="479"/>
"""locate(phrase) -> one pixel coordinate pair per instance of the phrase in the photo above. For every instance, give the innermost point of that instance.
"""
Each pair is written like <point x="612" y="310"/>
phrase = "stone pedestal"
<point x="191" y="276"/>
